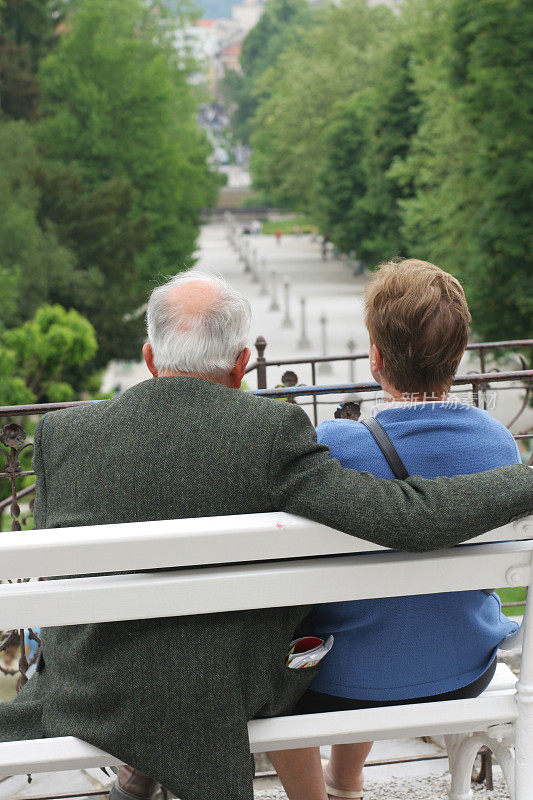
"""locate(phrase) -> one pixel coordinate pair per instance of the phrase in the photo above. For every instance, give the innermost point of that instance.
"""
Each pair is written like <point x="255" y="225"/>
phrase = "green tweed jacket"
<point x="172" y="696"/>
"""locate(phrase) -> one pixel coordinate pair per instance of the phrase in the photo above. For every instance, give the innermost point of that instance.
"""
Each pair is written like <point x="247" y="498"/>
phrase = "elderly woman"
<point x="418" y="649"/>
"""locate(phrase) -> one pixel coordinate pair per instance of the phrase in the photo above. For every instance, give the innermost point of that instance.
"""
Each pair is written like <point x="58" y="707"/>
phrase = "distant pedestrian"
<point x="288" y="379"/>
<point x="278" y="237"/>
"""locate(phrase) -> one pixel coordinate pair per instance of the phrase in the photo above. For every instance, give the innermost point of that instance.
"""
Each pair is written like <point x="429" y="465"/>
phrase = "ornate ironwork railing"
<point x="15" y="440"/>
<point x="482" y="350"/>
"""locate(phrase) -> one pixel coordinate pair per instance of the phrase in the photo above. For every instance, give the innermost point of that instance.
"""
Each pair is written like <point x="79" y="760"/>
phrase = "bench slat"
<point x="234" y="587"/>
<point x="341" y="727"/>
<point x="187" y="542"/>
<point x="374" y="724"/>
<point x="51" y="755"/>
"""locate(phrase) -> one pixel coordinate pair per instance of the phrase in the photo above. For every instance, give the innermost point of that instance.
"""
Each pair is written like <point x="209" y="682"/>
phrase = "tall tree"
<point x="102" y="230"/>
<point x="118" y="105"/>
<point x="303" y="90"/>
<point x="27" y="34"/>
<point x="282" y="25"/>
<point x="357" y="195"/>
<point x="471" y="161"/>
<point x="31" y="255"/>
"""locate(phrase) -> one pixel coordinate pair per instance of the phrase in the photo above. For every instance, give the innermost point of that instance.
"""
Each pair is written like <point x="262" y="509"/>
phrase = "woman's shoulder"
<point x="487" y="428"/>
<point x="484" y="419"/>
<point x="339" y="431"/>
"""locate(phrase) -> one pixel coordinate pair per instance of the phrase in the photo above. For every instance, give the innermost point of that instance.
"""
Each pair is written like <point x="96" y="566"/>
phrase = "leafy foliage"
<point x="26" y="34"/>
<point x="118" y="104"/>
<point x="282" y="25"/>
<point x="410" y="134"/>
<point x="35" y="357"/>
<point x="33" y="260"/>
<point x="101" y="228"/>
<point x="471" y="160"/>
<point x="103" y="171"/>
<point x="305" y="86"/>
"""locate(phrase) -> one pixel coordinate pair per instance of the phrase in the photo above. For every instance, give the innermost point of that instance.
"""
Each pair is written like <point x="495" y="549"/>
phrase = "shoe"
<point x="133" y="785"/>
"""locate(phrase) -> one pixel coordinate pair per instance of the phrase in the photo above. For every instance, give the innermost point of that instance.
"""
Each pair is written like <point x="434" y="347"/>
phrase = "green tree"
<point x="36" y="356"/>
<point x="281" y="26"/>
<point x="357" y="194"/>
<point x="101" y="229"/>
<point x="118" y="104"/>
<point x="33" y="260"/>
<point x="303" y="91"/>
<point x="471" y="161"/>
<point x="26" y="35"/>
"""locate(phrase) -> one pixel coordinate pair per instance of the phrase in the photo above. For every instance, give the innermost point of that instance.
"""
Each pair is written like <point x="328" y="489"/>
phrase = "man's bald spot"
<point x="189" y="299"/>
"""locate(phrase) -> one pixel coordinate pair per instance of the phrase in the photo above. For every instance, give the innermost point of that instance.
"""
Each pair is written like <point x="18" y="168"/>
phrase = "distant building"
<point x="230" y="56"/>
<point x="247" y="15"/>
<point x="215" y="44"/>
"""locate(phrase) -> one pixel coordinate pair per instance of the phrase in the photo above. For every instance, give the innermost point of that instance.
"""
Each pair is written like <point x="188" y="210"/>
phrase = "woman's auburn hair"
<point x="417" y="316"/>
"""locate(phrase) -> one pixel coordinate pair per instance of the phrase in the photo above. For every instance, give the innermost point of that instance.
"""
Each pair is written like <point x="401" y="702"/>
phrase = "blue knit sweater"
<point x="404" y="647"/>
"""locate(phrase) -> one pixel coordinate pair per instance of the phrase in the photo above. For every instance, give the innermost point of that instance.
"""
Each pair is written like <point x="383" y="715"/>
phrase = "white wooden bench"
<point x="264" y="560"/>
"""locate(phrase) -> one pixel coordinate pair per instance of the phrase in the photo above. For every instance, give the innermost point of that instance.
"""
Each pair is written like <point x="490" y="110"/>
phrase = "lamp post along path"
<point x="324" y="367"/>
<point x="274" y="303"/>
<point x="287" y="321"/>
<point x="303" y="342"/>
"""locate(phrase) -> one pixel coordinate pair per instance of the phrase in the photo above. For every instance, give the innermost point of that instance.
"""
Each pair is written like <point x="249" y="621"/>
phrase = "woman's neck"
<point x="397" y="396"/>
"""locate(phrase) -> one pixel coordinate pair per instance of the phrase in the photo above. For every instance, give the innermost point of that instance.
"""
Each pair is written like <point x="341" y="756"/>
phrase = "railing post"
<point x="260" y="345"/>
<point x="315" y="404"/>
<point x="482" y="360"/>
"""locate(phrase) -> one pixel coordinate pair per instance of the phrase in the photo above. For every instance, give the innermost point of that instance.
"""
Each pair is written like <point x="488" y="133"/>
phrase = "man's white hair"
<point x="206" y="342"/>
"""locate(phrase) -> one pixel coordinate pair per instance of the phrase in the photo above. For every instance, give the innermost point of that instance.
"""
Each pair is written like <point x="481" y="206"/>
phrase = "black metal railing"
<point x="480" y="380"/>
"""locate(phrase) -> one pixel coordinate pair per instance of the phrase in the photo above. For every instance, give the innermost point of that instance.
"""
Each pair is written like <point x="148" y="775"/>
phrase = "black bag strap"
<point x="387" y="448"/>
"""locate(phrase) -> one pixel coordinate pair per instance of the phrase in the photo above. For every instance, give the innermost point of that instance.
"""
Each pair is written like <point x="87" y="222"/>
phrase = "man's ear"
<point x="376" y="362"/>
<point x="237" y="373"/>
<point x="149" y="358"/>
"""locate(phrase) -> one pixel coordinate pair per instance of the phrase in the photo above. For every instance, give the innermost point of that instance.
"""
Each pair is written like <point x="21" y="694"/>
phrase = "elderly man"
<point x="172" y="697"/>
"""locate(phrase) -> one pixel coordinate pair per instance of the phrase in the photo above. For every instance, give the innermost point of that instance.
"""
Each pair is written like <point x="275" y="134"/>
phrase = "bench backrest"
<point x="214" y="564"/>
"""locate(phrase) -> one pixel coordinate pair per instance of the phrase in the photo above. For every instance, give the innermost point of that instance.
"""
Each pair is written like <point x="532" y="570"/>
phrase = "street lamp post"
<point x="254" y="261"/>
<point x="324" y="367"/>
<point x="247" y="255"/>
<point x="303" y="342"/>
<point x="263" y="288"/>
<point x="287" y="321"/>
<point x="274" y="304"/>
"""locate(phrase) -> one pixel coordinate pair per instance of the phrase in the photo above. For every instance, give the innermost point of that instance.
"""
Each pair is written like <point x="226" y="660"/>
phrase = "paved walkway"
<point x="329" y="289"/>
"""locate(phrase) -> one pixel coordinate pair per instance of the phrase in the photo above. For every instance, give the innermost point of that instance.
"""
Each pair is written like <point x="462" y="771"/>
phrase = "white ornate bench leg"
<point x="524" y="723"/>
<point x="462" y="750"/>
<point x="501" y="740"/>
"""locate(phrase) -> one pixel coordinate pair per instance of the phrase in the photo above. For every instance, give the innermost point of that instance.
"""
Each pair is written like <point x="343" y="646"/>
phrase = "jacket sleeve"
<point x="417" y="514"/>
